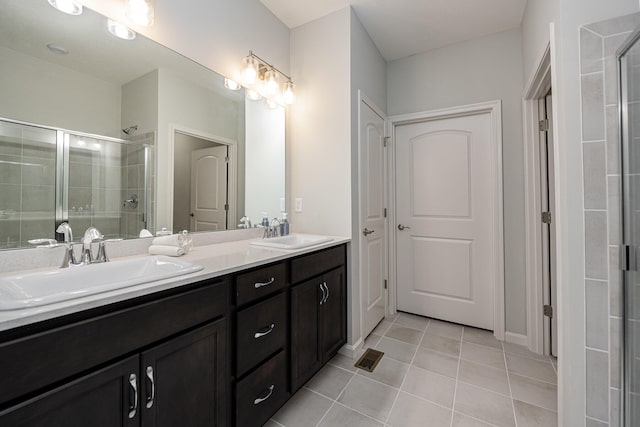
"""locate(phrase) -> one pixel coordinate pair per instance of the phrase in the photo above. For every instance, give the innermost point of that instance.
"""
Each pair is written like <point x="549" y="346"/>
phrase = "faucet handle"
<point x="102" y="250"/>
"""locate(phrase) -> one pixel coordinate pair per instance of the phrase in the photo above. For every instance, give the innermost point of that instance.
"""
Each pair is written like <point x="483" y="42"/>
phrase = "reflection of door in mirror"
<point x="201" y="191"/>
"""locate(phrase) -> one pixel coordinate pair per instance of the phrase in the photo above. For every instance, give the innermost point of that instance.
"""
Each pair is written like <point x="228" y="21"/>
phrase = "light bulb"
<point x="140" y="12"/>
<point x="253" y="95"/>
<point x="271" y="82"/>
<point x="119" y="30"/>
<point x="231" y="84"/>
<point x="67" y="6"/>
<point x="288" y="95"/>
<point x="250" y="71"/>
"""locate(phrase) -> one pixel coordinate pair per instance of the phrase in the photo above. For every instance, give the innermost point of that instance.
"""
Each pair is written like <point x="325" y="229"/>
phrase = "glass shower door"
<point x="629" y="66"/>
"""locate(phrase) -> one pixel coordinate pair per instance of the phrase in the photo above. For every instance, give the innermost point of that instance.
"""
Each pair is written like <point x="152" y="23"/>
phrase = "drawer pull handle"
<point x="264" y="331"/>
<point x="262" y="399"/>
<point x="133" y="407"/>
<point x="151" y="398"/>
<point x="327" y="288"/>
<point x="324" y="295"/>
<point x="259" y="285"/>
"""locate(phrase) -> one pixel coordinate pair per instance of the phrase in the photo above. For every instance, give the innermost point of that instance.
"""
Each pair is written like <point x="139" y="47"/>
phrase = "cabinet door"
<point x="333" y="313"/>
<point x="306" y="357"/>
<point x="106" y="398"/>
<point x="184" y="380"/>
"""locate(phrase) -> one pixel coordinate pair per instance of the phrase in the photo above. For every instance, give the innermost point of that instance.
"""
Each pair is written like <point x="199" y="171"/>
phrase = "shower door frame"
<point x="628" y="258"/>
<point x="61" y="208"/>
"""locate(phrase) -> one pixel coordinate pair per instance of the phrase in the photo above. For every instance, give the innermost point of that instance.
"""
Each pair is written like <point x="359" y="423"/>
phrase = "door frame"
<point x="232" y="171"/>
<point x="494" y="109"/>
<point x="357" y="237"/>
<point x="537" y="88"/>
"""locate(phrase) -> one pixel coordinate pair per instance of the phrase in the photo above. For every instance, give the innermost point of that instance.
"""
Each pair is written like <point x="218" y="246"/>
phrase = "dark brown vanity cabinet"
<point x="152" y="364"/>
<point x="318" y="312"/>
<point x="221" y="352"/>
<point x="262" y="330"/>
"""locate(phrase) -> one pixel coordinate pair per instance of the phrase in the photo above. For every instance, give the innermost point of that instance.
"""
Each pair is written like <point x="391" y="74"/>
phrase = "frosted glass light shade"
<point x="231" y="84"/>
<point x="120" y="31"/>
<point x="141" y="12"/>
<point x="67" y="6"/>
<point x="271" y="82"/>
<point x="249" y="70"/>
<point x="288" y="95"/>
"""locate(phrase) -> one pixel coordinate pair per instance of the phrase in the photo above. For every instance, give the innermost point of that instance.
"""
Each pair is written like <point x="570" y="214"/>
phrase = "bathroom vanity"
<point x="225" y="346"/>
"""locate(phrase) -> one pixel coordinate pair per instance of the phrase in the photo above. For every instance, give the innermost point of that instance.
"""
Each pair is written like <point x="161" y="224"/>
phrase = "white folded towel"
<point x="166" y="250"/>
<point x="171" y="240"/>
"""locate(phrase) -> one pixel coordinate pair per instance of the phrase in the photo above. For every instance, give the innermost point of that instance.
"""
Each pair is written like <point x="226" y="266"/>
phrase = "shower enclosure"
<point x="629" y="108"/>
<point x="50" y="175"/>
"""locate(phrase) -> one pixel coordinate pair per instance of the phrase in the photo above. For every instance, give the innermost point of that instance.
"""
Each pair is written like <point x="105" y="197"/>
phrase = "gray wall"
<point x="369" y="75"/>
<point x="484" y="69"/>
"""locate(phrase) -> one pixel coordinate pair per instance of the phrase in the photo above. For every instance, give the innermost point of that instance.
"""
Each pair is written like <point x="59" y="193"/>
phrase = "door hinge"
<point x="547" y="310"/>
<point x="226" y="159"/>
<point x="385" y="140"/>
<point x="543" y="125"/>
<point x="226" y="207"/>
<point x="385" y="283"/>
<point x="385" y="212"/>
<point x="546" y="217"/>
<point x="628" y="258"/>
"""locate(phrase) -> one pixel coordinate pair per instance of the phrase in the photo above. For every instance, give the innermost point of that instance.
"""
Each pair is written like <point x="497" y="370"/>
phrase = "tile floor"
<point x="433" y="373"/>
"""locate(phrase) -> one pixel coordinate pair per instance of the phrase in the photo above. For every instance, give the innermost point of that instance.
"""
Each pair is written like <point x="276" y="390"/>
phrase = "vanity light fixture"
<point x="255" y="68"/>
<point x="120" y="31"/>
<point x="231" y="84"/>
<point x="67" y="6"/>
<point x="140" y="12"/>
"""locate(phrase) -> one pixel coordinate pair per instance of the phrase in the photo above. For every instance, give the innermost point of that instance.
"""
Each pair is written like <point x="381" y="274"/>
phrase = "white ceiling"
<point x="400" y="28"/>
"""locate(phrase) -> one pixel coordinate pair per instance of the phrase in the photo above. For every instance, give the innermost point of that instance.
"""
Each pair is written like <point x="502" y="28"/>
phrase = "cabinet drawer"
<point x="79" y="346"/>
<point x="261" y="282"/>
<point x="307" y="266"/>
<point x="262" y="330"/>
<point x="259" y="395"/>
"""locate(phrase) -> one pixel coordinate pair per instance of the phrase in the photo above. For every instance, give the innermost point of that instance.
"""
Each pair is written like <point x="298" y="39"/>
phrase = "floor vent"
<point x="369" y="360"/>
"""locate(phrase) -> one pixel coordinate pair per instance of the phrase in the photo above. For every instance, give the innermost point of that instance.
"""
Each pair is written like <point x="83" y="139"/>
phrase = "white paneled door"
<point x="209" y="189"/>
<point x="446" y="210"/>
<point x="373" y="237"/>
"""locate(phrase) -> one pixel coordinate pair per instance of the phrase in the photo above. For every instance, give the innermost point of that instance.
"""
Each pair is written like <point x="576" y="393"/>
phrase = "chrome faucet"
<point x="272" y="230"/>
<point x="91" y="235"/>
<point x="69" y="255"/>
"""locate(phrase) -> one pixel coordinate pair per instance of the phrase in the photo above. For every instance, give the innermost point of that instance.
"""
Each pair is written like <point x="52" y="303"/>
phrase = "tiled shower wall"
<point x="601" y="169"/>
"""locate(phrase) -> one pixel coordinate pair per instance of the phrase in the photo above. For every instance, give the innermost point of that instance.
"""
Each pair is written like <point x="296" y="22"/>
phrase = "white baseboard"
<point x="351" y="350"/>
<point x="519" y="339"/>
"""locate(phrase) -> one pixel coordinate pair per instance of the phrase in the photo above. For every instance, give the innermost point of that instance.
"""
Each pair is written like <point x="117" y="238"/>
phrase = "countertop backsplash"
<point x="36" y="258"/>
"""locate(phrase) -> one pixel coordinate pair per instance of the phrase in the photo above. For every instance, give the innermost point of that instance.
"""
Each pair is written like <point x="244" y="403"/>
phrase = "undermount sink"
<point x="35" y="289"/>
<point x="293" y="241"/>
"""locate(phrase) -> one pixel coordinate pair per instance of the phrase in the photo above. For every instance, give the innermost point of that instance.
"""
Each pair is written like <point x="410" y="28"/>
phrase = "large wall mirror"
<point x="124" y="135"/>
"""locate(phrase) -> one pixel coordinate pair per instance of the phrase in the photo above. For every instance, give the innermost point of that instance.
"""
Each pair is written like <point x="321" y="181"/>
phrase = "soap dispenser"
<point x="284" y="225"/>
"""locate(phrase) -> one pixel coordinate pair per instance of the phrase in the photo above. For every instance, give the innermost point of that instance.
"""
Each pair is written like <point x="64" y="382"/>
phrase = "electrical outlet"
<point x="298" y="204"/>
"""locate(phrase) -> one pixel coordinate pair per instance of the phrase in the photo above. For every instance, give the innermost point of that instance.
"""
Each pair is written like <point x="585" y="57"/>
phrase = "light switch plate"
<point x="298" y="204"/>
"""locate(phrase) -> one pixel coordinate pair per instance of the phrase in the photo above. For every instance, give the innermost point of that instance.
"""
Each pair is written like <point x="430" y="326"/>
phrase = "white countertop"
<point x="217" y="259"/>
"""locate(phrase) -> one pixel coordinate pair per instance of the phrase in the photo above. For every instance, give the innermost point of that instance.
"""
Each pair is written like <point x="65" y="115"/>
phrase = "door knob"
<point x="366" y="231"/>
<point x="402" y="227"/>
